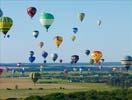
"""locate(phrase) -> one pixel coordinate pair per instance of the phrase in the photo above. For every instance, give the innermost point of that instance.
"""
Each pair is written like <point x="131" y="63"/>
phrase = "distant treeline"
<point x="121" y="94"/>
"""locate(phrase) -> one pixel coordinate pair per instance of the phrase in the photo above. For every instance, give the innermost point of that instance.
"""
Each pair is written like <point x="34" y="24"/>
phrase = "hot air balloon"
<point x="5" y="24"/>
<point x="35" y="33"/>
<point x="91" y="61"/>
<point x="81" y="16"/>
<point x="74" y="59"/>
<point x="87" y="52"/>
<point x="44" y="54"/>
<point x="8" y="36"/>
<point x="1" y="13"/>
<point x="32" y="59"/>
<point x="99" y="23"/>
<point x="73" y="37"/>
<point x="46" y="20"/>
<point x="61" y="60"/>
<point x="58" y="40"/>
<point x="41" y="44"/>
<point x="31" y="53"/>
<point x="127" y="62"/>
<point x="75" y="30"/>
<point x="31" y="11"/>
<point x="96" y="56"/>
<point x="54" y="56"/>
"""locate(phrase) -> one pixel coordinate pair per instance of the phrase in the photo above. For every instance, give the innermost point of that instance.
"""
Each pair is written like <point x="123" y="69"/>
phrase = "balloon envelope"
<point x="81" y="16"/>
<point x="5" y="24"/>
<point x="31" y="59"/>
<point x="35" y="33"/>
<point x="87" y="52"/>
<point x="44" y="54"/>
<point x="31" y="53"/>
<point x="1" y="13"/>
<point x="54" y="56"/>
<point x="74" y="59"/>
<point x="58" y="40"/>
<point x="41" y="44"/>
<point x="46" y="20"/>
<point x="96" y="56"/>
<point x="61" y="60"/>
<point x="73" y="37"/>
<point x="99" y="22"/>
<point x="31" y="11"/>
<point x="75" y="30"/>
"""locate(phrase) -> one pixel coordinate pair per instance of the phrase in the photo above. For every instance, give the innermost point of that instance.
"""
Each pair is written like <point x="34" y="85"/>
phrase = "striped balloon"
<point x="5" y="24"/>
<point x="46" y="20"/>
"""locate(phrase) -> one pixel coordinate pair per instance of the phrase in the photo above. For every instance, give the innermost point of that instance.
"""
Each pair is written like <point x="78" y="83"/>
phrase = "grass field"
<point x="25" y="83"/>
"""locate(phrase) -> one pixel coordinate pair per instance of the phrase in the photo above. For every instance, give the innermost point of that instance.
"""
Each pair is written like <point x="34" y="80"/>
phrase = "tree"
<point x="34" y="77"/>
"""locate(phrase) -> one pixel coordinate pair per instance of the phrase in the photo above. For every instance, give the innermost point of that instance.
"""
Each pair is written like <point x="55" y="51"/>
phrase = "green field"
<point x="51" y="82"/>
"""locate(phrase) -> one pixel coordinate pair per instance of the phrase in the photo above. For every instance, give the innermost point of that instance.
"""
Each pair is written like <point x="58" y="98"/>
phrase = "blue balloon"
<point x="31" y="59"/>
<point x="75" y="30"/>
<point x="44" y="54"/>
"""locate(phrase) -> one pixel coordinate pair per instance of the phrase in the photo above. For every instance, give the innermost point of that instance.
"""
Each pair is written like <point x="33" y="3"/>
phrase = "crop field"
<point x="23" y="87"/>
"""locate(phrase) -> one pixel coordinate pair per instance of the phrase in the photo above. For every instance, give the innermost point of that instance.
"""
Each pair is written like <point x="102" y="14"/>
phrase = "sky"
<point x="114" y="38"/>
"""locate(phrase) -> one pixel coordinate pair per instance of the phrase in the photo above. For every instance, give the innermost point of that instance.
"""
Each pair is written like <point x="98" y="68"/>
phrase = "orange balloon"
<point x="96" y="56"/>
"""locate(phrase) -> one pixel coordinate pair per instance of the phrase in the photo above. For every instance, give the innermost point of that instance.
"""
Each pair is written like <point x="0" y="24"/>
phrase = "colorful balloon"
<point x="46" y="20"/>
<point x="41" y="44"/>
<point x="31" y="11"/>
<point x="75" y="30"/>
<point x="35" y="33"/>
<point x="58" y="40"/>
<point x="74" y="59"/>
<point x="81" y="16"/>
<point x="54" y="56"/>
<point x="5" y="24"/>
<point x="1" y="13"/>
<point x="44" y="54"/>
<point x="73" y="37"/>
<point x="96" y="56"/>
<point x="87" y="52"/>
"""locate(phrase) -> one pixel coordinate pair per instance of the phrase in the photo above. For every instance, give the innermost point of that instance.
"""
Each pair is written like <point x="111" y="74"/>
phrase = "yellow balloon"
<point x="73" y="37"/>
<point x="58" y="40"/>
<point x="96" y="56"/>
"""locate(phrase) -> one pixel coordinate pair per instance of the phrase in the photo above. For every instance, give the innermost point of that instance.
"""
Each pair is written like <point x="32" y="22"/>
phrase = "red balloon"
<point x="31" y="11"/>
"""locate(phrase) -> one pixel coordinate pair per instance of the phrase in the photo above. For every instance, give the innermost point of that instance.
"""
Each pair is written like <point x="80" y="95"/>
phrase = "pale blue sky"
<point x="114" y="39"/>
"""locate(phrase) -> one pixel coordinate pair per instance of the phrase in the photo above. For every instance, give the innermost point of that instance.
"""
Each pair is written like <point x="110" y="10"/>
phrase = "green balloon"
<point x="46" y="20"/>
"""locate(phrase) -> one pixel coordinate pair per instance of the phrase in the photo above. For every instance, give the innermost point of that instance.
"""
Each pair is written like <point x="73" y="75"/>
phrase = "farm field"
<point x="25" y="87"/>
